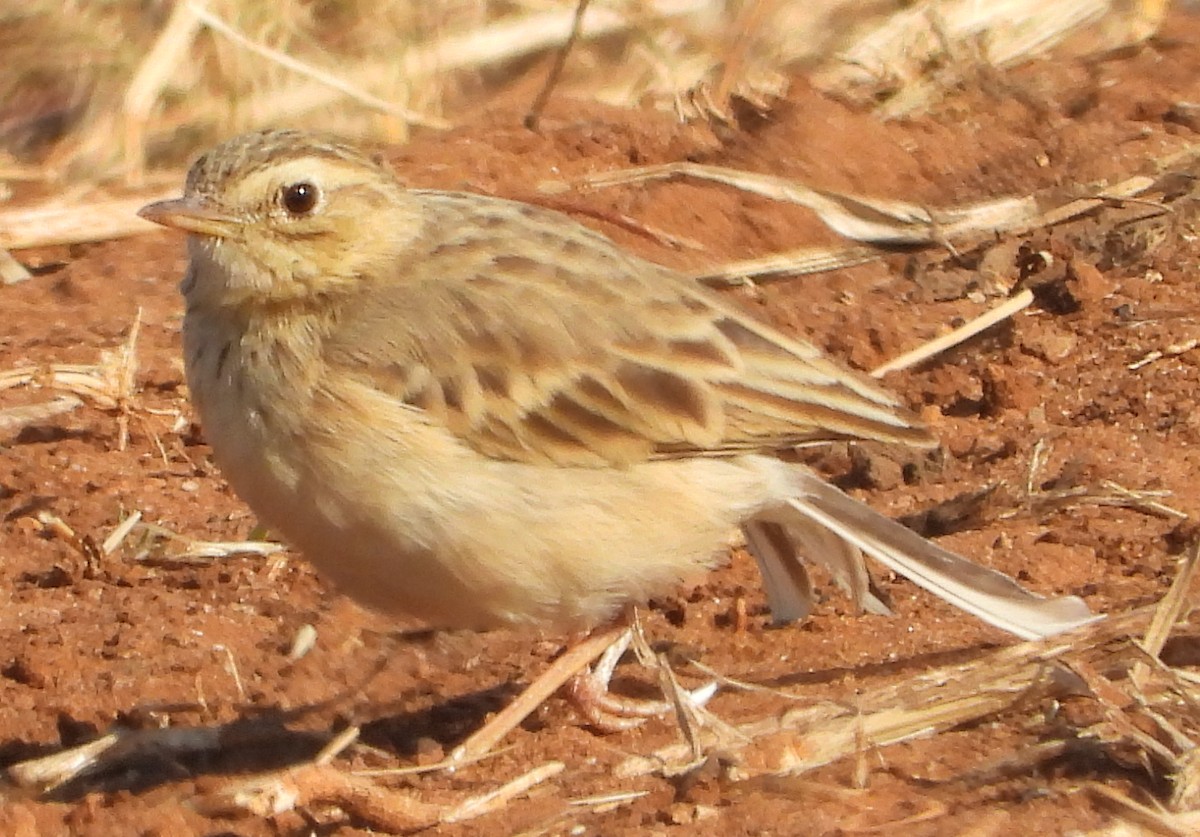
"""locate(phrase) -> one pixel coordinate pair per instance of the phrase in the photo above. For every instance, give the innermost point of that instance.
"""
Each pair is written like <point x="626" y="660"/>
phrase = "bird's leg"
<point x="586" y="689"/>
<point x="576" y="657"/>
<point x="588" y="693"/>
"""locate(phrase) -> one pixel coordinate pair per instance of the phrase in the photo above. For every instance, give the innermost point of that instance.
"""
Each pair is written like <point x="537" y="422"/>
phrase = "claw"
<point x="589" y="693"/>
<point x="588" y="690"/>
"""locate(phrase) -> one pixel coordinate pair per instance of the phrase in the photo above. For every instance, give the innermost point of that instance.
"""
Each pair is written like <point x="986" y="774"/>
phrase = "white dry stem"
<point x="55" y="222"/>
<point x="1171" y="608"/>
<point x="547" y="683"/>
<point x="1174" y="350"/>
<point x="11" y="270"/>
<point x="509" y="39"/>
<point x="52" y="771"/>
<point x="315" y="73"/>
<point x="120" y="533"/>
<point x="808" y="737"/>
<point x="231" y="667"/>
<point x="857" y="217"/>
<point x="959" y="335"/>
<point x="190" y="550"/>
<point x="14" y="419"/>
<point x="800" y="262"/>
<point x="494" y="800"/>
<point x="303" y="642"/>
<point x="223" y="549"/>
<point x="310" y="785"/>
<point x="337" y="745"/>
<point x="141" y="96"/>
<point x="967" y="34"/>
<point x="1147" y="820"/>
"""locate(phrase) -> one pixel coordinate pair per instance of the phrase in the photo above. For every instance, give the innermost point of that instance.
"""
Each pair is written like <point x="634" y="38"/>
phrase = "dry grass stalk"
<point x="208" y="550"/>
<point x="1171" y="609"/>
<point x="1107" y="493"/>
<point x="742" y="685"/>
<point x="560" y="59"/>
<point x="94" y="220"/>
<point x="750" y="20"/>
<point x="801" y="262"/>
<point x="160" y="104"/>
<point x="121" y="367"/>
<point x="698" y="56"/>
<point x="316" y="785"/>
<point x="148" y="545"/>
<point x="494" y="800"/>
<point x="11" y="270"/>
<point x="109" y="752"/>
<point x="118" y="535"/>
<point x="689" y="717"/>
<point x="87" y="380"/>
<point x="337" y="745"/>
<point x="547" y="683"/>
<point x="159" y="544"/>
<point x="1129" y="188"/>
<point x="996" y="502"/>
<point x="857" y="217"/>
<point x="142" y="94"/>
<point x="312" y="786"/>
<point x="1144" y="819"/>
<point x="1116" y="195"/>
<point x="423" y="66"/>
<point x="744" y="68"/>
<point x="1152" y="723"/>
<point x="922" y="50"/>
<point x="959" y="335"/>
<point x="1143" y="500"/>
<point x="315" y="73"/>
<point x="688" y="706"/>
<point x="820" y="259"/>
<point x="1174" y="350"/>
<point x="109" y="385"/>
<point x="758" y="87"/>
<point x="806" y="738"/>
<point x="519" y="36"/>
<point x="84" y="379"/>
<point x="1038" y="501"/>
<point x="603" y="801"/>
<point x="15" y="419"/>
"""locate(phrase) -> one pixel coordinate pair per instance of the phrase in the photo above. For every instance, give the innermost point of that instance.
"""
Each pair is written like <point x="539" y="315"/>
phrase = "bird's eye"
<point x="299" y="198"/>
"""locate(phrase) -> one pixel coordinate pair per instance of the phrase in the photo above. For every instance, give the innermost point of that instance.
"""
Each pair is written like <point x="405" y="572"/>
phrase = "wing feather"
<point x="533" y="339"/>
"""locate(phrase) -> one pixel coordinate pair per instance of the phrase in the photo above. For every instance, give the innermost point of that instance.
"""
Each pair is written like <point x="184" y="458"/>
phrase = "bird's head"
<point x="285" y="215"/>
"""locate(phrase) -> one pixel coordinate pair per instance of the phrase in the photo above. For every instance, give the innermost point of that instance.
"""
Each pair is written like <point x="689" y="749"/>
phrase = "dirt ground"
<point x="142" y="639"/>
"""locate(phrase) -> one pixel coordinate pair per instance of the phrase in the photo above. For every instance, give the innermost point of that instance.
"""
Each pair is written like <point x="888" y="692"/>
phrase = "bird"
<point x="481" y="413"/>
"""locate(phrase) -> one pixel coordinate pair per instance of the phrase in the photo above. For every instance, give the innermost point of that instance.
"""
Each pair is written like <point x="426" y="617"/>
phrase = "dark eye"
<point x="300" y="198"/>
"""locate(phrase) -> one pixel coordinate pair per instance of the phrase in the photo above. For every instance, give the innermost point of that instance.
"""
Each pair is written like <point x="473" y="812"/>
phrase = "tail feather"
<point x="778" y="550"/>
<point x="788" y="587"/>
<point x="990" y="595"/>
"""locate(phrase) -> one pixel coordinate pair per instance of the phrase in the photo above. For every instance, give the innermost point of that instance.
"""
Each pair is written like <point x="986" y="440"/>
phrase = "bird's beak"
<point x="191" y="215"/>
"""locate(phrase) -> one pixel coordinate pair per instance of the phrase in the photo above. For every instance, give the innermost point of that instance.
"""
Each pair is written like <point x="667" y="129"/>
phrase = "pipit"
<point x="482" y="413"/>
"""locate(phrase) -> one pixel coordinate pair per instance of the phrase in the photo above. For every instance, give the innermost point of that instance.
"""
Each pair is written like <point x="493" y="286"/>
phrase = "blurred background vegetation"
<point x="108" y="90"/>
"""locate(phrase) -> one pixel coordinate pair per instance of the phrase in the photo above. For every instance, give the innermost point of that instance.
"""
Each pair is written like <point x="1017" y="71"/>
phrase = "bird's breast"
<point x="252" y="395"/>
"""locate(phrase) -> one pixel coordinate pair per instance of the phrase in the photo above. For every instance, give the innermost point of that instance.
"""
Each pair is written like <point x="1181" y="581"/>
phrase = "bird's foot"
<point x="588" y="691"/>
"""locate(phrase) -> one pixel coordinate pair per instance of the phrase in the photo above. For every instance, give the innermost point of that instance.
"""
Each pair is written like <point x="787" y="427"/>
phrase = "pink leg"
<point x="551" y="680"/>
<point x="588" y="693"/>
